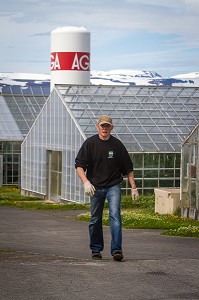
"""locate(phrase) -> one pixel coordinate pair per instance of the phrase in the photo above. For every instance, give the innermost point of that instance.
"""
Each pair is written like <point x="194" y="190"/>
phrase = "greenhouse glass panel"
<point x="167" y="183"/>
<point x="151" y="160"/>
<point x="167" y="173"/>
<point x="150" y="173"/>
<point x="138" y="159"/>
<point x="190" y="175"/>
<point x="9" y="130"/>
<point x="193" y="194"/>
<point x="167" y="160"/>
<point x="11" y="153"/>
<point x="138" y="173"/>
<point x="140" y="185"/>
<point x="23" y="107"/>
<point x="150" y="183"/>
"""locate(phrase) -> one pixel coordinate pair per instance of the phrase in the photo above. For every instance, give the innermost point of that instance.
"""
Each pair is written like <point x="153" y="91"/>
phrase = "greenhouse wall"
<point x="190" y="176"/>
<point x="19" y="108"/>
<point x="48" y="154"/>
<point x="152" y="170"/>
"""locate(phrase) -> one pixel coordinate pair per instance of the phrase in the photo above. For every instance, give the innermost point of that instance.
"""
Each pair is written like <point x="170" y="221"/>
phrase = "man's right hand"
<point x="89" y="189"/>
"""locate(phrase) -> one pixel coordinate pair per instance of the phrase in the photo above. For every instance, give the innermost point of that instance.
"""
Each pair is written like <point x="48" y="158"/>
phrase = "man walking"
<point x="101" y="163"/>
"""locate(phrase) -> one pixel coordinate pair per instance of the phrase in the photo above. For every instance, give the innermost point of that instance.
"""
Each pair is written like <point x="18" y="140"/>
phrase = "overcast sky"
<point x="152" y="35"/>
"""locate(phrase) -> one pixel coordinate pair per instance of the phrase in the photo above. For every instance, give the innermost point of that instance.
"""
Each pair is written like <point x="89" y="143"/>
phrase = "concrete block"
<point x="167" y="200"/>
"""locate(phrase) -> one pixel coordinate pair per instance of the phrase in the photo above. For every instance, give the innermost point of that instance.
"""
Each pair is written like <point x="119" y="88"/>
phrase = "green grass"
<point x="135" y="214"/>
<point x="11" y="197"/>
<point x="142" y="219"/>
<point x="35" y="205"/>
<point x="13" y="194"/>
<point x="141" y="214"/>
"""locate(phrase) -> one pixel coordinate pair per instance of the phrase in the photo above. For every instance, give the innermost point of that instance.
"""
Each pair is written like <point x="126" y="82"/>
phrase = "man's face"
<point x="104" y="131"/>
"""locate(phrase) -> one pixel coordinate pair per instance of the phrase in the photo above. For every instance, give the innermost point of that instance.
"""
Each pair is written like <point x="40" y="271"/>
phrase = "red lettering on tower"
<point x="74" y="61"/>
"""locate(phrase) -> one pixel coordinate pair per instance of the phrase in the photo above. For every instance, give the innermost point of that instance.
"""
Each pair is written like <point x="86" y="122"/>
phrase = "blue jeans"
<point x="113" y="196"/>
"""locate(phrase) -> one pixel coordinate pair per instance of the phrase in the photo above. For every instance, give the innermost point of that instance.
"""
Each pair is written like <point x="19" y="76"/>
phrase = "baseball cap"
<point x="104" y="119"/>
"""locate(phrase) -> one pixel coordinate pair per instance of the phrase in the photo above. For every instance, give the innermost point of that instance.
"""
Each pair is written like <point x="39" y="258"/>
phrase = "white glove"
<point x="89" y="189"/>
<point x="134" y="194"/>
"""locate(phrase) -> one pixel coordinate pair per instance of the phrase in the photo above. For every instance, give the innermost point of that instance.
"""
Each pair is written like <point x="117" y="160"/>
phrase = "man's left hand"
<point x="134" y="194"/>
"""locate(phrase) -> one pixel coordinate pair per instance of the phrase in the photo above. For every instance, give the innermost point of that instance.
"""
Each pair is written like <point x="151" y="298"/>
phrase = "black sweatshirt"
<point x="104" y="161"/>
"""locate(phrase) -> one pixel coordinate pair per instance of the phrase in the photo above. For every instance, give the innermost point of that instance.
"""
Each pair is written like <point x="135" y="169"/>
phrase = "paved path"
<point x="51" y="260"/>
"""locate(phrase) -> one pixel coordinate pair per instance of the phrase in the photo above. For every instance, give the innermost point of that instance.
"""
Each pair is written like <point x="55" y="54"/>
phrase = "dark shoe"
<point x="117" y="255"/>
<point x="96" y="255"/>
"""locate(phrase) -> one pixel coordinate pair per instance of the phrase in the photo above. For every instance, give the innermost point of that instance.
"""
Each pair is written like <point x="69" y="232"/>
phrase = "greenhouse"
<point x="190" y="175"/>
<point x="152" y="122"/>
<point x="19" y="109"/>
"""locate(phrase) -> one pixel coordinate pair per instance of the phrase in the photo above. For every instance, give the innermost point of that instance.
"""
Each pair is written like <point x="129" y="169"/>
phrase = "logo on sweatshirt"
<point x="110" y="154"/>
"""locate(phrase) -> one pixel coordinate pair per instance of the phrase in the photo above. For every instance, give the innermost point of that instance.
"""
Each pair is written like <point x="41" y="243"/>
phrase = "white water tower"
<point x="70" y="56"/>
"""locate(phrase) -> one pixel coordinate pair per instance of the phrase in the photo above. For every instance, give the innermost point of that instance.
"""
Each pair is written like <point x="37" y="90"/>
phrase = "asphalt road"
<point x="45" y="255"/>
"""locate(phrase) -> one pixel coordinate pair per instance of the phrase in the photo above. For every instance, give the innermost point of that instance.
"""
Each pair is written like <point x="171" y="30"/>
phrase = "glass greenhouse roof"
<point x="9" y="130"/>
<point x="24" y="105"/>
<point x="146" y="119"/>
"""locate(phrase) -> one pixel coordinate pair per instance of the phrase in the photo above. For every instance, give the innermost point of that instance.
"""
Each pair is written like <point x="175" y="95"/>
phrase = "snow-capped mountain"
<point x="23" y="79"/>
<point x="127" y="77"/>
<point x="188" y="75"/>
<point x="112" y="77"/>
<point x="136" y="77"/>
